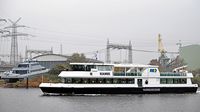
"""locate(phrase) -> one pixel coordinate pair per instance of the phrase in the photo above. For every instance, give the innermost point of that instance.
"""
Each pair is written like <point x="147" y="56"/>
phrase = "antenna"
<point x="96" y="55"/>
<point x="61" y="49"/>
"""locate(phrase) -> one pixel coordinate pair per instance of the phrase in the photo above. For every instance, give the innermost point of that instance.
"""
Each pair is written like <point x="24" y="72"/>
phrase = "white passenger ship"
<point x="100" y="78"/>
<point x="23" y="70"/>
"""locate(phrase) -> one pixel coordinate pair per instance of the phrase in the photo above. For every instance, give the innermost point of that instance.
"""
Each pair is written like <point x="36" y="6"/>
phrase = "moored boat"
<point x="24" y="70"/>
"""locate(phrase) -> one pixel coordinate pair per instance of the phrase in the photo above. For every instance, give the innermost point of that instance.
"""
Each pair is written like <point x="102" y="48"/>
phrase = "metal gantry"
<point x="29" y="52"/>
<point x="119" y="47"/>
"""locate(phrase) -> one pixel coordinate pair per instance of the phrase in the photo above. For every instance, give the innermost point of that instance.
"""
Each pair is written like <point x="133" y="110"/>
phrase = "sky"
<point x="85" y="25"/>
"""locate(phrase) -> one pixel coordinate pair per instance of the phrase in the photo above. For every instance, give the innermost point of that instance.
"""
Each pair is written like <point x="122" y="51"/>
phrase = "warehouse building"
<point x="191" y="56"/>
<point x="51" y="60"/>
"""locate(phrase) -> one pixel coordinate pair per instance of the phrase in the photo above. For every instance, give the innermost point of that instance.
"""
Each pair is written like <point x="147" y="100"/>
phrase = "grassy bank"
<point x="33" y="82"/>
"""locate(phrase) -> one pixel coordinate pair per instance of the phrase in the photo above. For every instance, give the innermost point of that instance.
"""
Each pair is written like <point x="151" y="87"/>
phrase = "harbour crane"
<point x="163" y="59"/>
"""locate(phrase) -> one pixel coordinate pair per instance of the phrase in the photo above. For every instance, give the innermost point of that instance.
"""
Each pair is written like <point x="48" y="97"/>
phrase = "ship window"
<point x="68" y="80"/>
<point x="119" y="69"/>
<point x="163" y="81"/>
<point x="140" y="69"/>
<point x="130" y="81"/>
<point x="109" y="81"/>
<point x="93" y="80"/>
<point x="115" y="81"/>
<point x="100" y="81"/>
<point x="104" y="68"/>
<point x="36" y="64"/>
<point x="173" y="81"/>
<point x="176" y="81"/>
<point x="183" y="81"/>
<point x="153" y="70"/>
<point x="20" y="71"/>
<point x="123" y="81"/>
<point x="85" y="81"/>
<point x="78" y="68"/>
<point x="133" y="70"/>
<point x="23" y="65"/>
<point x="169" y="81"/>
<point x="89" y="67"/>
<point x="77" y="80"/>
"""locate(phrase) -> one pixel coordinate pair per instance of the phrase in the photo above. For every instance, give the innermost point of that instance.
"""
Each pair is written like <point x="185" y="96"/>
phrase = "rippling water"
<point x="32" y="100"/>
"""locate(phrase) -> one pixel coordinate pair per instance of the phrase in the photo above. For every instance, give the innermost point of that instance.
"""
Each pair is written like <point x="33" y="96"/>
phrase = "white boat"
<point x="101" y="78"/>
<point x="24" y="70"/>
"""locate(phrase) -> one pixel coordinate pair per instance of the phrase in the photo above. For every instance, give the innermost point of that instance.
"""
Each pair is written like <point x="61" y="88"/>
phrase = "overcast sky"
<point x="85" y="25"/>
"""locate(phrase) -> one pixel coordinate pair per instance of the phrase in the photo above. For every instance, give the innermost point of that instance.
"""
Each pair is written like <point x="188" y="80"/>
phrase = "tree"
<point x="58" y="68"/>
<point x="53" y="73"/>
<point x="76" y="57"/>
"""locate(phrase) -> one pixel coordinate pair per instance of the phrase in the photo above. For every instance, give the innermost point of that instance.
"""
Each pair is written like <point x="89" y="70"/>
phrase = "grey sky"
<point x="85" y="25"/>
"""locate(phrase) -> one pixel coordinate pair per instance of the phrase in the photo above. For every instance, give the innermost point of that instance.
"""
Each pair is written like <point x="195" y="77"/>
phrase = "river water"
<point x="33" y="100"/>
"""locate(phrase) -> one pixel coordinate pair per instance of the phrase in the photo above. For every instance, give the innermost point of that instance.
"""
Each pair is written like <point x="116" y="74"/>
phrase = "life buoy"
<point x="146" y="82"/>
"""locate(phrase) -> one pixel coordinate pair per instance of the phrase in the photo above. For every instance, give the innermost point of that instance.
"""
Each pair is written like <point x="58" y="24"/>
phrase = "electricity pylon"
<point x="14" y="57"/>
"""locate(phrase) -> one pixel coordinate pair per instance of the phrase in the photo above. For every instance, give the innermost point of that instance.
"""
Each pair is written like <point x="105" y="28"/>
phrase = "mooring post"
<point x="27" y="83"/>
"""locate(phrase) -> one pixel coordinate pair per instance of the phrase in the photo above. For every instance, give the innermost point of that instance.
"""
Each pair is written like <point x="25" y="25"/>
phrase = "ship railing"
<point x="172" y="74"/>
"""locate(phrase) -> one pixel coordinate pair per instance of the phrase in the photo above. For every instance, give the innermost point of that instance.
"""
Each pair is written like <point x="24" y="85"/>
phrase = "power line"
<point x="67" y="42"/>
<point x="136" y="50"/>
<point x="149" y="51"/>
<point x="94" y="37"/>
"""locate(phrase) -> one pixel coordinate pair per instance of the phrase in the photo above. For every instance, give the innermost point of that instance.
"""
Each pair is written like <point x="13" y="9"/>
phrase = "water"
<point x="32" y="100"/>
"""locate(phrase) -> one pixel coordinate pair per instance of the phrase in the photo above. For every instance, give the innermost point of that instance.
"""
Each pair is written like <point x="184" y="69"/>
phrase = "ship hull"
<point x="131" y="90"/>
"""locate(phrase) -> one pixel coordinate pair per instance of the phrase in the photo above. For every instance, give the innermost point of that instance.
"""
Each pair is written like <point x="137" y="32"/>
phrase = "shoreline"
<point x="33" y="82"/>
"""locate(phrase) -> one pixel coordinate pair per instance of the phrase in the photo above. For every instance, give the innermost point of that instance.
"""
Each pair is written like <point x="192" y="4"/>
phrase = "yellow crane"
<point x="163" y="59"/>
<point x="160" y="45"/>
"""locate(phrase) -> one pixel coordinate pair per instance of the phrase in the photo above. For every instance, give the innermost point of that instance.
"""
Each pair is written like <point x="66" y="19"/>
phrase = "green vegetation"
<point x="53" y="73"/>
<point x="58" y="68"/>
<point x="76" y="57"/>
<point x="196" y="79"/>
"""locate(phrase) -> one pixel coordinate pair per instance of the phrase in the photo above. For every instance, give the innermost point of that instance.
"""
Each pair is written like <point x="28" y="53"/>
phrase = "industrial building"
<point x="51" y="60"/>
<point x="191" y="56"/>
